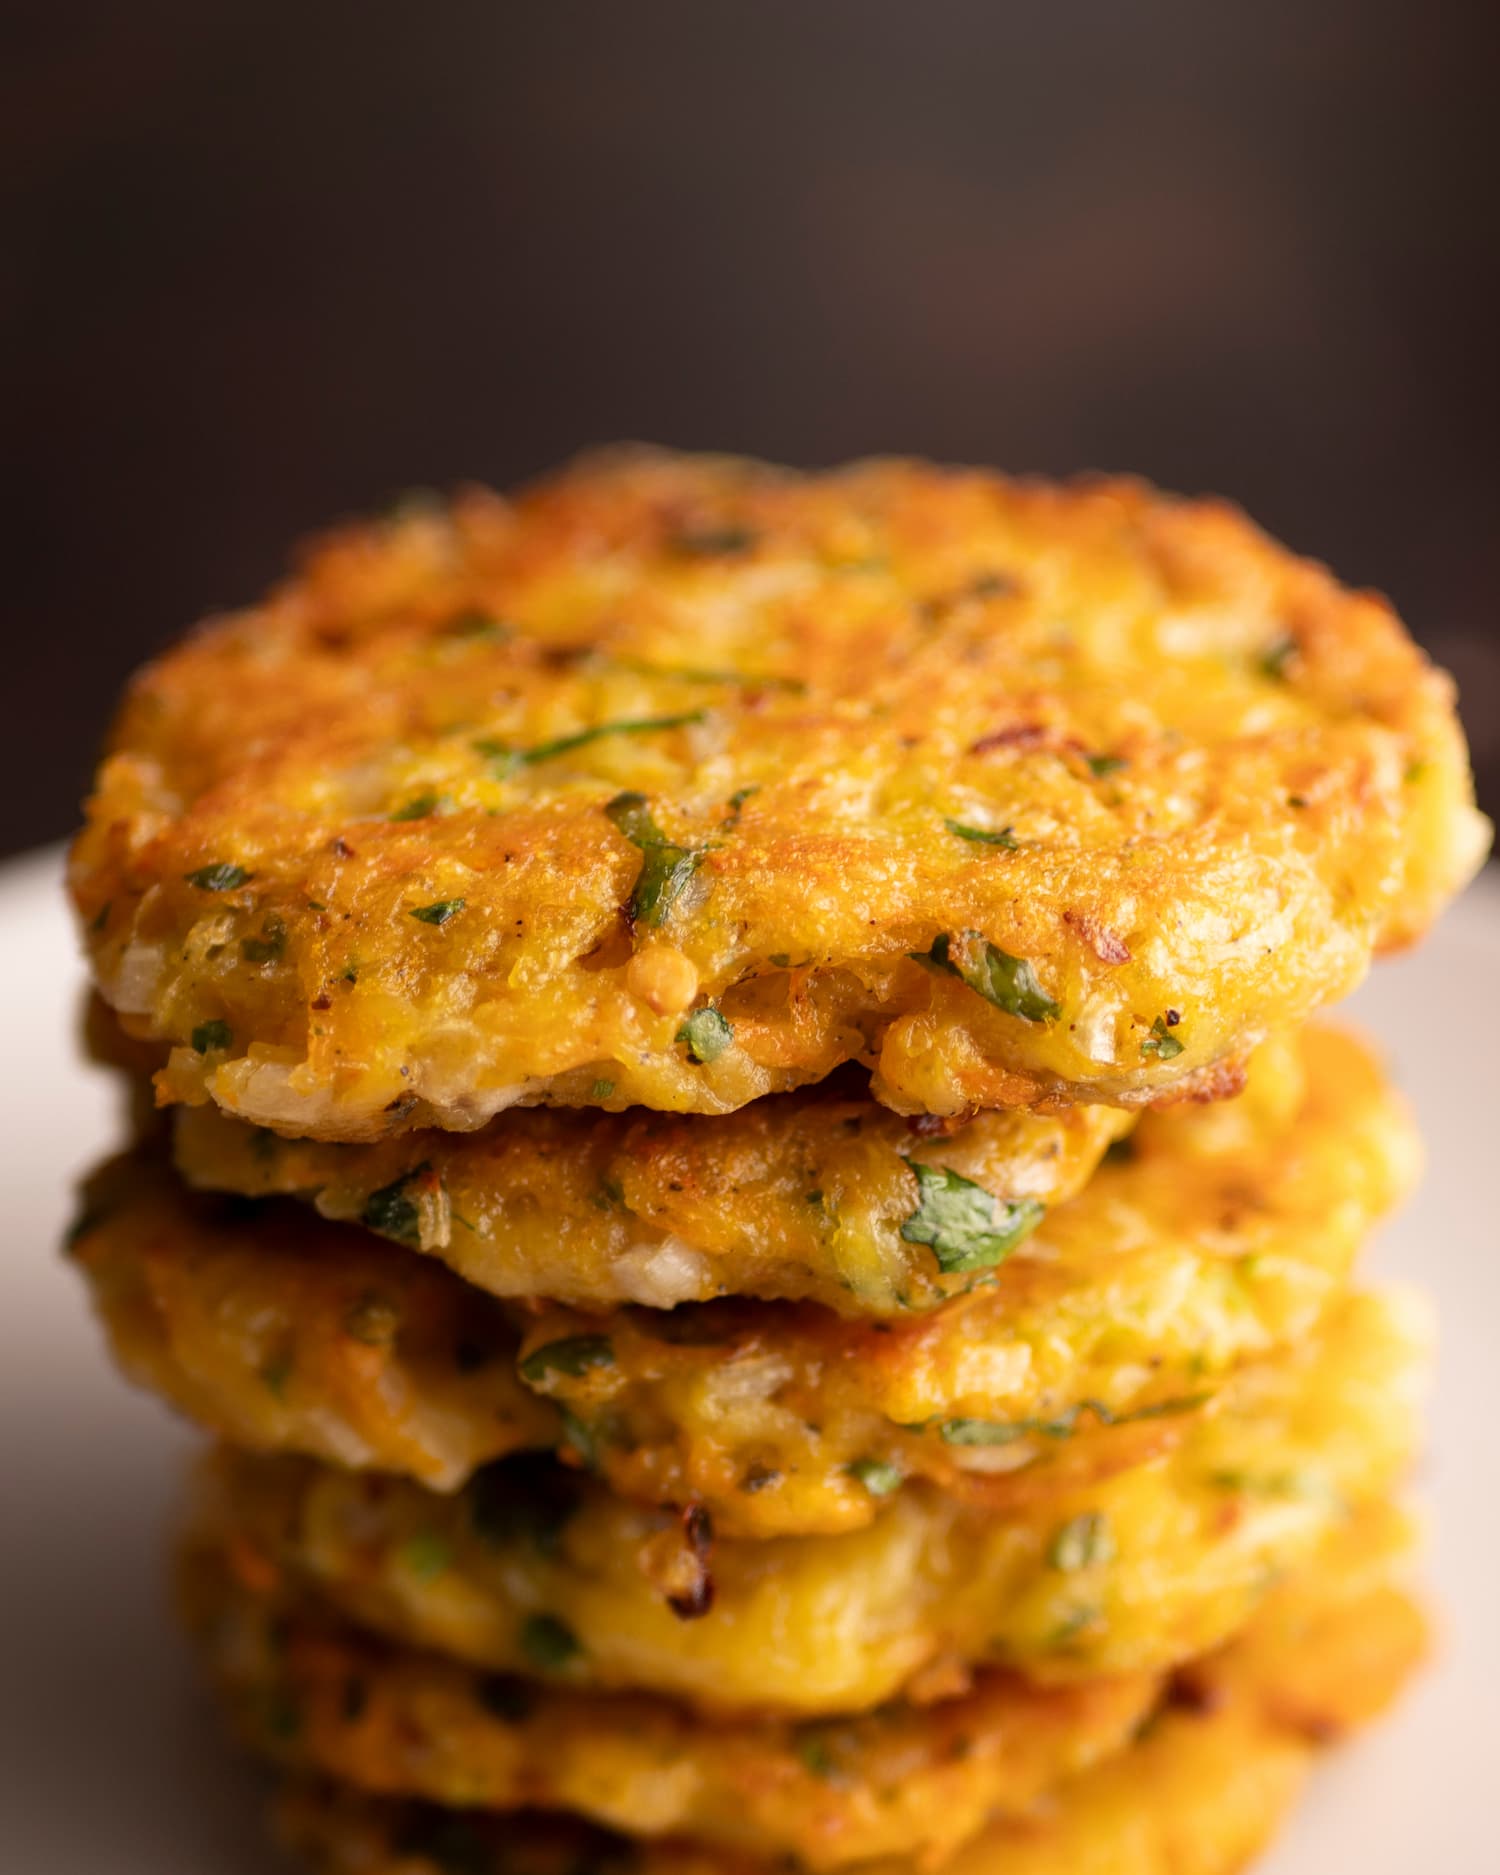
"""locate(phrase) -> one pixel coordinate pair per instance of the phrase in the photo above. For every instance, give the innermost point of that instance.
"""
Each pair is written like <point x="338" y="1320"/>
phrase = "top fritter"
<point x="675" y="781"/>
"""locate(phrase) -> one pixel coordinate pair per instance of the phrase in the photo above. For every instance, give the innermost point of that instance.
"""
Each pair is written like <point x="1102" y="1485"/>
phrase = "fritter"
<point x="820" y="1196"/>
<point x="285" y="1333"/>
<point x="676" y="781"/>
<point x="1197" y="1793"/>
<point x="1222" y="1236"/>
<point x="311" y="1692"/>
<point x="549" y="1575"/>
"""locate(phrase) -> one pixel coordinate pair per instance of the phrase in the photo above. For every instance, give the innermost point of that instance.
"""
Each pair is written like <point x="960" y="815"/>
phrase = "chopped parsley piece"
<point x="268" y="947"/>
<point x="1274" y="660"/>
<point x="877" y="1475"/>
<point x="372" y="1319"/>
<point x="277" y="1371"/>
<point x="549" y="1644"/>
<point x="427" y="1554"/>
<point x="1007" y="1431"/>
<point x="968" y="1227"/>
<point x="707" y="1034"/>
<point x="393" y="1212"/>
<point x="983" y="836"/>
<point x="1010" y="983"/>
<point x="814" y="1754"/>
<point x="704" y="543"/>
<point x="1161" y="1042"/>
<point x="420" y="807"/>
<point x="1081" y="1543"/>
<point x="209" y="1037"/>
<point x="441" y="912"/>
<point x="666" y="867"/>
<point x="1102" y="765"/>
<point x="601" y="1090"/>
<point x="580" y="1437"/>
<point x="507" y="759"/>
<point x="222" y="877"/>
<point x="572" y="1355"/>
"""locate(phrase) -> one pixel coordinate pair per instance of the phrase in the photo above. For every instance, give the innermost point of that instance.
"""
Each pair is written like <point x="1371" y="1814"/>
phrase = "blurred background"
<point x="268" y="263"/>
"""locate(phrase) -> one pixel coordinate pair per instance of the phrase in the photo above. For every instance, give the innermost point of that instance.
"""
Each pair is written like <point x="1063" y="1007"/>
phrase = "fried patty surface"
<point x="820" y="1196"/>
<point x="816" y="1196"/>
<point x="676" y="781"/>
<point x="282" y="1332"/>
<point x="1223" y="1235"/>
<point x="550" y="1575"/>
<point x="312" y="1692"/>
<point x="1197" y="1793"/>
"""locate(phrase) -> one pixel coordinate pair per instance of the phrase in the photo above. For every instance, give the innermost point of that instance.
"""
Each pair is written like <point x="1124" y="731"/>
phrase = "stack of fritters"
<point x="743" y="1177"/>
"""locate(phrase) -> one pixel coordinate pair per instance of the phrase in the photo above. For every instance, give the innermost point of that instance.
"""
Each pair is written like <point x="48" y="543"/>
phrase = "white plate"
<point x="111" y="1763"/>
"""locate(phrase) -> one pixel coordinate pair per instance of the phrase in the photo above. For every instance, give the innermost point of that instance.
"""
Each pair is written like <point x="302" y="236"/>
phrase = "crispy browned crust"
<point x="1227" y="782"/>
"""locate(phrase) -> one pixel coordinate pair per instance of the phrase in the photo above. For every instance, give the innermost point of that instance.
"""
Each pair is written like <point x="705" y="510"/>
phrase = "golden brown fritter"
<point x="311" y="1692"/>
<point x="676" y="781"/>
<point x="822" y="1195"/>
<point x="1197" y="1793"/>
<point x="285" y="1333"/>
<point x="800" y="1196"/>
<point x="552" y="1576"/>
<point x="1222" y="1236"/>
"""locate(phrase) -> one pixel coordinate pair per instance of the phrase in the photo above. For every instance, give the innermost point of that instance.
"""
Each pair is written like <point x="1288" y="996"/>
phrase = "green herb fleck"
<point x="393" y="1212"/>
<point x="1074" y="1624"/>
<point x="1063" y="1426"/>
<point x="707" y="1034"/>
<point x="372" y="1319"/>
<point x="1084" y="1542"/>
<point x="983" y="836"/>
<point x="601" y="1090"/>
<point x="441" y="912"/>
<point x="968" y="1227"/>
<point x="268" y="947"/>
<point x="879" y="1477"/>
<point x="277" y="1371"/>
<point x="549" y="1644"/>
<point x="1274" y="660"/>
<point x="507" y="759"/>
<point x="221" y="877"/>
<point x="427" y="1555"/>
<point x="1161" y="1042"/>
<point x="1102" y="765"/>
<point x="580" y="1436"/>
<point x="813" y="1752"/>
<point x="666" y="867"/>
<point x="209" y="1037"/>
<point x="573" y="1355"/>
<point x="420" y="807"/>
<point x="1010" y="983"/>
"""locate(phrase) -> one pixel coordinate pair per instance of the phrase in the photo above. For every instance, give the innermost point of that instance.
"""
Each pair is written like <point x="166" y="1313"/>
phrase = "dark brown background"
<point x="266" y="263"/>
